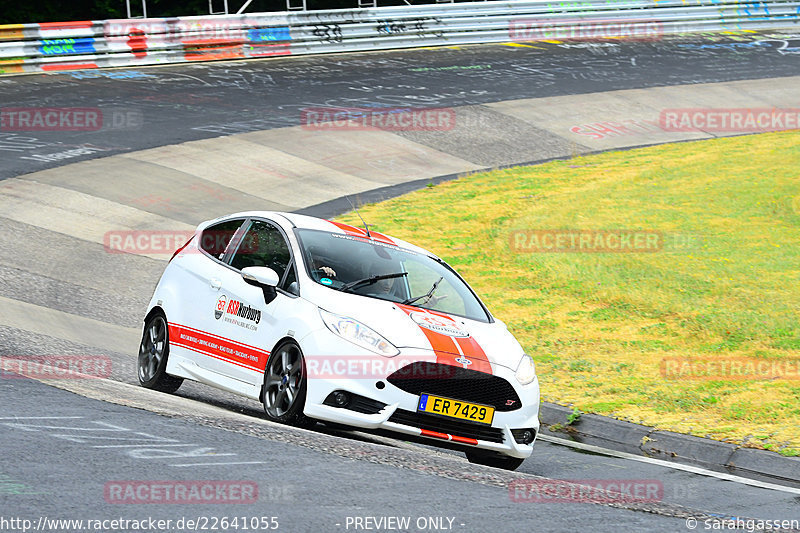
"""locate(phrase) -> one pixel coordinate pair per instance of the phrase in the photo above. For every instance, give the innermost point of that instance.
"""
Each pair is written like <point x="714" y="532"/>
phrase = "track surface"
<point x="175" y="104"/>
<point x="62" y="294"/>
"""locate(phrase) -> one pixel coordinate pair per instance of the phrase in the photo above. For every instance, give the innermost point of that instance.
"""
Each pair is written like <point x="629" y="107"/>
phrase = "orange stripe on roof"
<point x="358" y="232"/>
<point x="350" y="230"/>
<point x="381" y="237"/>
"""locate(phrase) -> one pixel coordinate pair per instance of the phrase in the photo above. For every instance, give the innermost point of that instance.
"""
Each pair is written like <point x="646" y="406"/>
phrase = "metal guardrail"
<point x="132" y="42"/>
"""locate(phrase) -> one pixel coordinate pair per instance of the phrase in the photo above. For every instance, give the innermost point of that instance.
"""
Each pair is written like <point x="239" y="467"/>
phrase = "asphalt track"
<point x="63" y="294"/>
<point x="176" y="104"/>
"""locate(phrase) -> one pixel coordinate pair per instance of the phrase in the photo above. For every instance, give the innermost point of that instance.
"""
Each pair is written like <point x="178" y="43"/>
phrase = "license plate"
<point x="482" y="414"/>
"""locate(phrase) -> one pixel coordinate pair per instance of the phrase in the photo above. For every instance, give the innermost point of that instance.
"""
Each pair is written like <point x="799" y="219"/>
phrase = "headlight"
<point x="526" y="371"/>
<point x="358" y="334"/>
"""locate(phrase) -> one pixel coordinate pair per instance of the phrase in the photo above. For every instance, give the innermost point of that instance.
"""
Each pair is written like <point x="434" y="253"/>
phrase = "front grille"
<point x="457" y="383"/>
<point x="443" y="425"/>
<point x="359" y="404"/>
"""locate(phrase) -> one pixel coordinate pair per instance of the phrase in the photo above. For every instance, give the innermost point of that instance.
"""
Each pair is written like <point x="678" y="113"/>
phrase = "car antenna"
<point x="366" y="227"/>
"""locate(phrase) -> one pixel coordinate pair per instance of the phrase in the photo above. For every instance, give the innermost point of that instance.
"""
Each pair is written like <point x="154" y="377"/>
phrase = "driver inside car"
<point x="318" y="266"/>
<point x="395" y="289"/>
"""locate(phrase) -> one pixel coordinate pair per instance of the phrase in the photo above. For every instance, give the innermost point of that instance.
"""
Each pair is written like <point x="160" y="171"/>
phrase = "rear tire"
<point x="285" y="383"/>
<point x="495" y="460"/>
<point x="153" y="355"/>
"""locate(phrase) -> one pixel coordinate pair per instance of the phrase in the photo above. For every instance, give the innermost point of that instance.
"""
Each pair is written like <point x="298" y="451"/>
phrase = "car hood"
<point x="456" y="340"/>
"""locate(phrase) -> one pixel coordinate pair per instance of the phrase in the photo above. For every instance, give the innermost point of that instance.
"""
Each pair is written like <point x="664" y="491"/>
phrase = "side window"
<point x="215" y="238"/>
<point x="262" y="245"/>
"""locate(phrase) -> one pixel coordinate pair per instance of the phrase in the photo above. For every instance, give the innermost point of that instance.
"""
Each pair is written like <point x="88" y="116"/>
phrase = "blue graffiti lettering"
<point x="276" y="33"/>
<point x="114" y="75"/>
<point x="67" y="46"/>
<point x="58" y="41"/>
<point x="720" y="46"/>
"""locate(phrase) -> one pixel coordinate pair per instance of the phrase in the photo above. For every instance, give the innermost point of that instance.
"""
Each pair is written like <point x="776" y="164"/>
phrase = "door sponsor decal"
<point x="217" y="347"/>
<point x="440" y="325"/>
<point x="233" y="310"/>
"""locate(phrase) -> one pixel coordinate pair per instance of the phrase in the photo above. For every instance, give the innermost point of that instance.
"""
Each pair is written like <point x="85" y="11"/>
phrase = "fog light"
<point x="524" y="435"/>
<point x="341" y="398"/>
<point x="527" y="436"/>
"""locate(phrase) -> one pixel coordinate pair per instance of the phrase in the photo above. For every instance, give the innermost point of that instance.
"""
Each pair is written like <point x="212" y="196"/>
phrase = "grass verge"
<point x="722" y="284"/>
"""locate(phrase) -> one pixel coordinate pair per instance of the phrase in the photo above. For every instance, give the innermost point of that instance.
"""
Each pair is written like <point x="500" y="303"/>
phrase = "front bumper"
<point x="399" y="414"/>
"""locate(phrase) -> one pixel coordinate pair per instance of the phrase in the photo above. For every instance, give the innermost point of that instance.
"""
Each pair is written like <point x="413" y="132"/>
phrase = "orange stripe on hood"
<point x="450" y="348"/>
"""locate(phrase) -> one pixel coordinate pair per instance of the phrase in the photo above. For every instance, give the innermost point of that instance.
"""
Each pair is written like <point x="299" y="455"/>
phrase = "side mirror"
<point x="260" y="276"/>
<point x="263" y="277"/>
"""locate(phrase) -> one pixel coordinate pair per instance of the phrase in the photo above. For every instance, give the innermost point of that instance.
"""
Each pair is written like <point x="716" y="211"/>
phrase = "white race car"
<point x="321" y="321"/>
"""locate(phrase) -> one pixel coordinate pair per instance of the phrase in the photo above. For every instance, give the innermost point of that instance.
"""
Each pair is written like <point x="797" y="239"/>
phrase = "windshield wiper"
<point x="370" y="280"/>
<point x="428" y="294"/>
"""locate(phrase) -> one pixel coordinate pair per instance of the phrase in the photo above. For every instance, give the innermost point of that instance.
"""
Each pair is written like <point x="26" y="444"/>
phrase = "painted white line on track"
<point x="140" y="445"/>
<point x="24" y="426"/>
<point x="37" y="417"/>
<point x="675" y="466"/>
<point x="107" y="383"/>
<point x="224" y="464"/>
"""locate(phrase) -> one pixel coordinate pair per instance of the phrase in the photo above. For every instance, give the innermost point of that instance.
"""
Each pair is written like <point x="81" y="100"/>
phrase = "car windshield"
<point x="387" y="272"/>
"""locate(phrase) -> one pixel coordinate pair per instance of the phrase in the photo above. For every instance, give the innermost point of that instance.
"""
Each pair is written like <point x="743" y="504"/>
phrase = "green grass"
<point x="725" y="284"/>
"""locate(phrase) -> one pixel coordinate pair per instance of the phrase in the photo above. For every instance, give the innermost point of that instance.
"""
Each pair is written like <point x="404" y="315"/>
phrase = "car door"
<point x="200" y="281"/>
<point x="248" y="324"/>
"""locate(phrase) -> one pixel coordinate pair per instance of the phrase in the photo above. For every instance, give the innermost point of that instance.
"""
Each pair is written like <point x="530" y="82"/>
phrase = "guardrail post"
<point x="244" y="6"/>
<point x="290" y="7"/>
<point x="144" y="10"/>
<point x="211" y="8"/>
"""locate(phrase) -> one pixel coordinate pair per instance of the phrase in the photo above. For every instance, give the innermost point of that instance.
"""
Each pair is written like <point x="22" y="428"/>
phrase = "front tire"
<point x="153" y="355"/>
<point x="285" y="384"/>
<point x="495" y="460"/>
